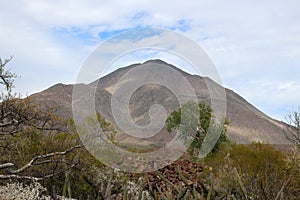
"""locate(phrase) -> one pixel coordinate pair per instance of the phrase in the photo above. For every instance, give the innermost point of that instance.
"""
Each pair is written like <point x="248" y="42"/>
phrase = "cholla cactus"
<point x="136" y="192"/>
<point x="115" y="185"/>
<point x="34" y="191"/>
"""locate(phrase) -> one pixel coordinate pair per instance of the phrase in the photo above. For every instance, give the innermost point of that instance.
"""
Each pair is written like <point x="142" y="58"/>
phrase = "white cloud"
<point x="277" y="97"/>
<point x="289" y="86"/>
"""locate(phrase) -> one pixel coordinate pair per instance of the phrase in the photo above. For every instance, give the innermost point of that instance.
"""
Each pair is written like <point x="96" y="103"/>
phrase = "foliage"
<point x="255" y="171"/>
<point x="107" y="128"/>
<point x="196" y="121"/>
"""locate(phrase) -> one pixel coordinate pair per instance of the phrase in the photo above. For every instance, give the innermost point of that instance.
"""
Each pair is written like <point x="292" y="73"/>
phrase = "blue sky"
<point x="255" y="45"/>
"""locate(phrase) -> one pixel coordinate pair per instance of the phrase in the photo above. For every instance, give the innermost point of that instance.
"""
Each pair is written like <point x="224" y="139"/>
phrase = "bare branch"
<point x="32" y="161"/>
<point x="31" y="178"/>
<point x="6" y="165"/>
<point x="19" y="114"/>
<point x="6" y="77"/>
<point x="293" y="131"/>
<point x="14" y="173"/>
<point x="13" y="176"/>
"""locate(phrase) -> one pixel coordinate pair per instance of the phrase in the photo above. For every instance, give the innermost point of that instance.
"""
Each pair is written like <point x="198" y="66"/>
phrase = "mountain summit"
<point x="247" y="123"/>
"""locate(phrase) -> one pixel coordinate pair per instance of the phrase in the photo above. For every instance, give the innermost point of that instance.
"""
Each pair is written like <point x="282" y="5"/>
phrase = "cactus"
<point x="141" y="189"/>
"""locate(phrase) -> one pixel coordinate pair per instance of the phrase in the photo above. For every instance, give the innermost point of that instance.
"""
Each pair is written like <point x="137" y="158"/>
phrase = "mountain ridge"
<point x="248" y="124"/>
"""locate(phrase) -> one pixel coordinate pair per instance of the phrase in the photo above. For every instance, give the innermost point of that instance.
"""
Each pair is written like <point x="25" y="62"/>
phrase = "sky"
<point x="255" y="45"/>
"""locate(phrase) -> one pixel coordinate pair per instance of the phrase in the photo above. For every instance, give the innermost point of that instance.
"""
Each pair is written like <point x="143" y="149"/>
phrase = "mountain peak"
<point x="158" y="61"/>
<point x="247" y="123"/>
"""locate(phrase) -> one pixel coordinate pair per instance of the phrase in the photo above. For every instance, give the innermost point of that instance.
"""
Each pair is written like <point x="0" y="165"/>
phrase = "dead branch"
<point x="293" y="132"/>
<point x="31" y="178"/>
<point x="6" y="77"/>
<point x="34" y="162"/>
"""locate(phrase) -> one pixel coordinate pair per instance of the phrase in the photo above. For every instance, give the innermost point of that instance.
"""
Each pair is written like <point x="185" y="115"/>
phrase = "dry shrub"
<point x="255" y="171"/>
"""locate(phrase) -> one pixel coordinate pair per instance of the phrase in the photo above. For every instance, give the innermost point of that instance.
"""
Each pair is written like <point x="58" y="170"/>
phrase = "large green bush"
<point x="254" y="171"/>
<point x="197" y="122"/>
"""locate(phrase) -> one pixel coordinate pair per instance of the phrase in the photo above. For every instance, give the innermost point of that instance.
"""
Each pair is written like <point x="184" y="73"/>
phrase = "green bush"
<point x="196" y="122"/>
<point x="255" y="171"/>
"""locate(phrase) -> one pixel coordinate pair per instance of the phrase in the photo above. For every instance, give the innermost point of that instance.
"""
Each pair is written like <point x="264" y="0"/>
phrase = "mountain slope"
<point x="247" y="124"/>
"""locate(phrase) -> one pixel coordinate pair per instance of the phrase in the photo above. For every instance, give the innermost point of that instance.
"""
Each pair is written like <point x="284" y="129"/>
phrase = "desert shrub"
<point x="255" y="171"/>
